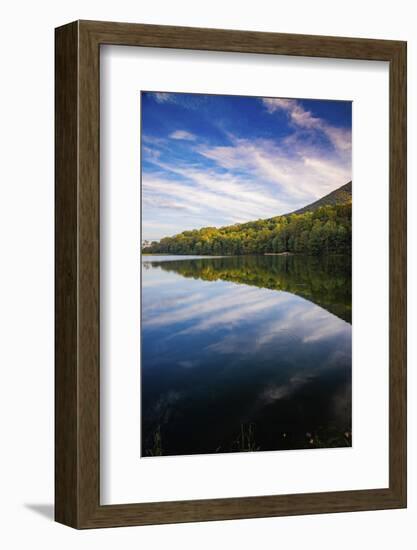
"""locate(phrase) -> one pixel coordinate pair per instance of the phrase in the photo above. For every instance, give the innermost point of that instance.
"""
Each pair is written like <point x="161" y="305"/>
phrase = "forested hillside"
<point x="341" y="195"/>
<point x="316" y="229"/>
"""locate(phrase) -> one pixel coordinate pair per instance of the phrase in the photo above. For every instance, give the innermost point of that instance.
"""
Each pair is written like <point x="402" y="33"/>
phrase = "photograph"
<point x="209" y="271"/>
<point x="246" y="307"/>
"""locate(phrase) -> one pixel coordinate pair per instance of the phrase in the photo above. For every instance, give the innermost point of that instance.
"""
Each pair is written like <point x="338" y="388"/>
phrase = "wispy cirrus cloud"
<point x="183" y="135"/>
<point x="294" y="169"/>
<point x="340" y="138"/>
<point x="187" y="101"/>
<point x="162" y="97"/>
<point x="209" y="195"/>
<point x="297" y="113"/>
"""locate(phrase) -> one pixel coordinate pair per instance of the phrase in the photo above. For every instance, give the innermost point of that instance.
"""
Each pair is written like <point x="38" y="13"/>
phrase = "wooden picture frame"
<point x="77" y="405"/>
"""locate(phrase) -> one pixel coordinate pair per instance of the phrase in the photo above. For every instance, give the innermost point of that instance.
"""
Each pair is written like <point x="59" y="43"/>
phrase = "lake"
<point x="245" y="353"/>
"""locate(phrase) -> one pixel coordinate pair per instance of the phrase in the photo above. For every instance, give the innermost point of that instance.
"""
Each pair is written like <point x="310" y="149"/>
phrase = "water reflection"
<point x="324" y="281"/>
<point x="245" y="353"/>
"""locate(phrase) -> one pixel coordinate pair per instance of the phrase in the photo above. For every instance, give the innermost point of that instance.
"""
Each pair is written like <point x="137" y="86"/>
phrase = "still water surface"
<point x="245" y="353"/>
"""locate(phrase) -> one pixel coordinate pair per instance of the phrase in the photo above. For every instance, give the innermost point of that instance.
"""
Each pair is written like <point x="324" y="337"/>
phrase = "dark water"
<point x="245" y="353"/>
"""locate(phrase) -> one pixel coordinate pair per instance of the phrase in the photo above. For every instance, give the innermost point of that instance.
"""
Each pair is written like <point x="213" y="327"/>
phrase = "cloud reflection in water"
<point x="233" y="353"/>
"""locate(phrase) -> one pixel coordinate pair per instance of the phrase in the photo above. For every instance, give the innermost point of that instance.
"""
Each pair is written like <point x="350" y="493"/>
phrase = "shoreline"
<point x="279" y="254"/>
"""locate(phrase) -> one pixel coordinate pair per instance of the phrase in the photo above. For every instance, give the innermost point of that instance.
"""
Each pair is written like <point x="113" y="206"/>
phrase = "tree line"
<point x="327" y="230"/>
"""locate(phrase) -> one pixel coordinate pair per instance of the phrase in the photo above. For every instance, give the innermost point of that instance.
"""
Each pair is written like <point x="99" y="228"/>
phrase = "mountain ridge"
<point x="340" y="195"/>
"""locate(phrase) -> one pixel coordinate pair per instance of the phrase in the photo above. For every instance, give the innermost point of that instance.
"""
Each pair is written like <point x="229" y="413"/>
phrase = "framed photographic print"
<point x="230" y="274"/>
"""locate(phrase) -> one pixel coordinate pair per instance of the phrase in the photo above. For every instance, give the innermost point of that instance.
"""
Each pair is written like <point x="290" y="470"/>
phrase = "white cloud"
<point x="296" y="112"/>
<point x="298" y="173"/>
<point x="152" y="140"/>
<point x="216" y="196"/>
<point x="182" y="134"/>
<point x="168" y="203"/>
<point x="162" y="97"/>
<point x="150" y="153"/>
<point x="340" y="138"/>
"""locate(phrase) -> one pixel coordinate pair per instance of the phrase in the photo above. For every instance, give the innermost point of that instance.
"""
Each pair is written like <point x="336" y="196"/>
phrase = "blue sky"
<point x="211" y="160"/>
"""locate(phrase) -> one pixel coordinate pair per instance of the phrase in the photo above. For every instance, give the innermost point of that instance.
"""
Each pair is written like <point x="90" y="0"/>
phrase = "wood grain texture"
<point x="398" y="273"/>
<point x="66" y="237"/>
<point x="78" y="284"/>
